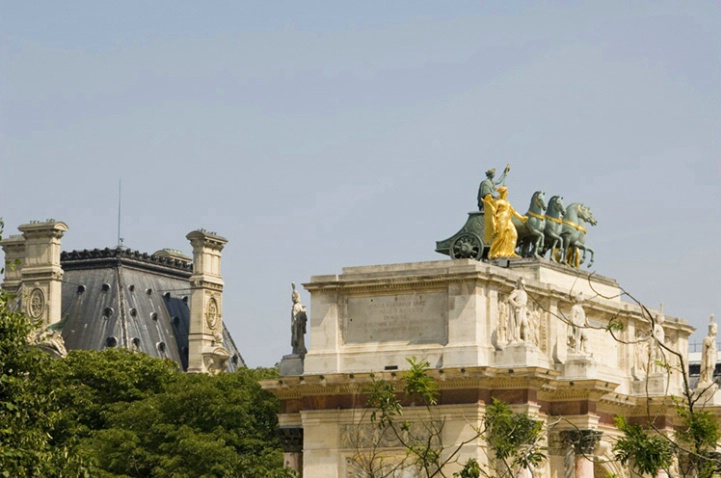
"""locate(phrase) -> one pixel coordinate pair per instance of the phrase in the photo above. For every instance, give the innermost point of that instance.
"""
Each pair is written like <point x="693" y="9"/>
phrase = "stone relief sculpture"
<point x="499" y="229"/>
<point x="708" y="354"/>
<point x="502" y="329"/>
<point x="641" y="354"/>
<point x="535" y="325"/>
<point x="649" y="355"/>
<point x="657" y="338"/>
<point x="299" y="319"/>
<point x="488" y="185"/>
<point x="518" y="312"/>
<point x="577" y="337"/>
<point x="51" y="341"/>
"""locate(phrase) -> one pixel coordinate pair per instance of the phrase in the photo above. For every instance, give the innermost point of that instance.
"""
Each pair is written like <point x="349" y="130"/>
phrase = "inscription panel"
<point x="411" y="318"/>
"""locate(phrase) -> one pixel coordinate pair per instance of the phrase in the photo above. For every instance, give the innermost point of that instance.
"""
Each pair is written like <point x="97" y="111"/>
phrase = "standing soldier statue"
<point x="298" y="321"/>
<point x="708" y="354"/>
<point x="518" y="306"/>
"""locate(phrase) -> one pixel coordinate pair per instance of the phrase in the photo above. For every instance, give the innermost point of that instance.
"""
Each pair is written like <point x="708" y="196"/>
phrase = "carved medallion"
<point x="36" y="303"/>
<point x="211" y="314"/>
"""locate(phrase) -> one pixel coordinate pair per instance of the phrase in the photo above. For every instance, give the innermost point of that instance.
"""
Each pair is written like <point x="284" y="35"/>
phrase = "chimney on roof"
<point x="41" y="273"/>
<point x="206" y="353"/>
<point x="14" y="249"/>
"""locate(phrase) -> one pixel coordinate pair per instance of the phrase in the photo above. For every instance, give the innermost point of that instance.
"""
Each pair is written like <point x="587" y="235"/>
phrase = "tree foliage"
<point x="514" y="437"/>
<point x="29" y="413"/>
<point x="646" y="453"/>
<point x="131" y="415"/>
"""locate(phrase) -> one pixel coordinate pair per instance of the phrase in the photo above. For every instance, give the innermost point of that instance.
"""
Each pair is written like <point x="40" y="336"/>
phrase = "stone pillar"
<point x="291" y="439"/>
<point x="206" y="353"/>
<point x="41" y="272"/>
<point x="582" y="441"/>
<point x="14" y="249"/>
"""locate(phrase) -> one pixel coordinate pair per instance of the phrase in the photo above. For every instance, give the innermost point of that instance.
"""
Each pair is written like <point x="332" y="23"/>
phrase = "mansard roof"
<point x="122" y="298"/>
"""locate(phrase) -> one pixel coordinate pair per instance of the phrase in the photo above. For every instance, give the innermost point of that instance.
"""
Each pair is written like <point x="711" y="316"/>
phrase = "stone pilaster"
<point x="582" y="442"/>
<point x="206" y="353"/>
<point x="14" y="249"/>
<point x="41" y="273"/>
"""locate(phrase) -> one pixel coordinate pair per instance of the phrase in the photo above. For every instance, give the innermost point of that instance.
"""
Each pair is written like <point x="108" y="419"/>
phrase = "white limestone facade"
<point x="367" y="322"/>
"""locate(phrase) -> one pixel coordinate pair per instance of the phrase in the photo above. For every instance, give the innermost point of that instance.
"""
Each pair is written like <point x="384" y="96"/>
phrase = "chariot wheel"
<point x="467" y="246"/>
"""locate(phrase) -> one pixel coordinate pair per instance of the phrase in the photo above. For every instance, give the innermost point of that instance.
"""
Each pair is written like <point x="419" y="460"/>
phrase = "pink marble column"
<point x="294" y="461"/>
<point x="584" y="466"/>
<point x="525" y="474"/>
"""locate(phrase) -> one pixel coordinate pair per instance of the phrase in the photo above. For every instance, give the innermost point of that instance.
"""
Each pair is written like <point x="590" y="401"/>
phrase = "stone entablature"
<point x="448" y="312"/>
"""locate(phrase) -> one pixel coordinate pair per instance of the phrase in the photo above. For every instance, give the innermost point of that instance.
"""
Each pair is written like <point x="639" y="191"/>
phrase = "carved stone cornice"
<point x="207" y="239"/>
<point x="30" y="274"/>
<point x="198" y="282"/>
<point x="476" y="378"/>
<point x="94" y="258"/>
<point x="577" y="389"/>
<point x="50" y="229"/>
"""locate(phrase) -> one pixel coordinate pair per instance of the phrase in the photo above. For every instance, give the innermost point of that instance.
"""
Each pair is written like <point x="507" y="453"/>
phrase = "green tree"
<point x="646" y="453"/>
<point x="131" y="415"/>
<point x="29" y="413"/>
<point x="198" y="426"/>
<point x="514" y="437"/>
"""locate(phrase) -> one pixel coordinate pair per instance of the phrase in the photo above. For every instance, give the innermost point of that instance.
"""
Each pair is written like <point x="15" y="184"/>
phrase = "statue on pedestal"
<point x="518" y="312"/>
<point x="499" y="229"/>
<point x="578" y="338"/>
<point x="488" y="185"/>
<point x="656" y="340"/>
<point x="298" y="321"/>
<point x="708" y="354"/>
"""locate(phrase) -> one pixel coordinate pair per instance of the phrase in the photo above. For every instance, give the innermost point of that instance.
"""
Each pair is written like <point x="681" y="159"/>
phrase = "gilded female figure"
<point x="502" y="234"/>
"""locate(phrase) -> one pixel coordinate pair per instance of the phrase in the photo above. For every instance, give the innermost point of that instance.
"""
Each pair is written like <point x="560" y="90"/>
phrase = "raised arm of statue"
<point x="488" y="185"/>
<point x="502" y="177"/>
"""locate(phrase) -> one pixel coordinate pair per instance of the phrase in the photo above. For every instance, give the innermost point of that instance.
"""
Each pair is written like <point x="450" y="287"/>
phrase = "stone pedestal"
<point x="579" y="366"/>
<point x="656" y="384"/>
<point x="291" y="365"/>
<point x="708" y="394"/>
<point x="518" y="354"/>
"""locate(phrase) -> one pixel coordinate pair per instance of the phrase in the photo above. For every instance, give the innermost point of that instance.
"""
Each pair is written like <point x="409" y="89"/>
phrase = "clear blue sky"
<point x="317" y="135"/>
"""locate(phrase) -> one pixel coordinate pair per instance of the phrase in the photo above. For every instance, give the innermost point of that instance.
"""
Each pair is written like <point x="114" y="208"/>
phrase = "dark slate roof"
<point x="122" y="298"/>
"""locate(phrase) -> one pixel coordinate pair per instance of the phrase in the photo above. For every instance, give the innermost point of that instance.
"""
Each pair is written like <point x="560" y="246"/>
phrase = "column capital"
<point x="582" y="440"/>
